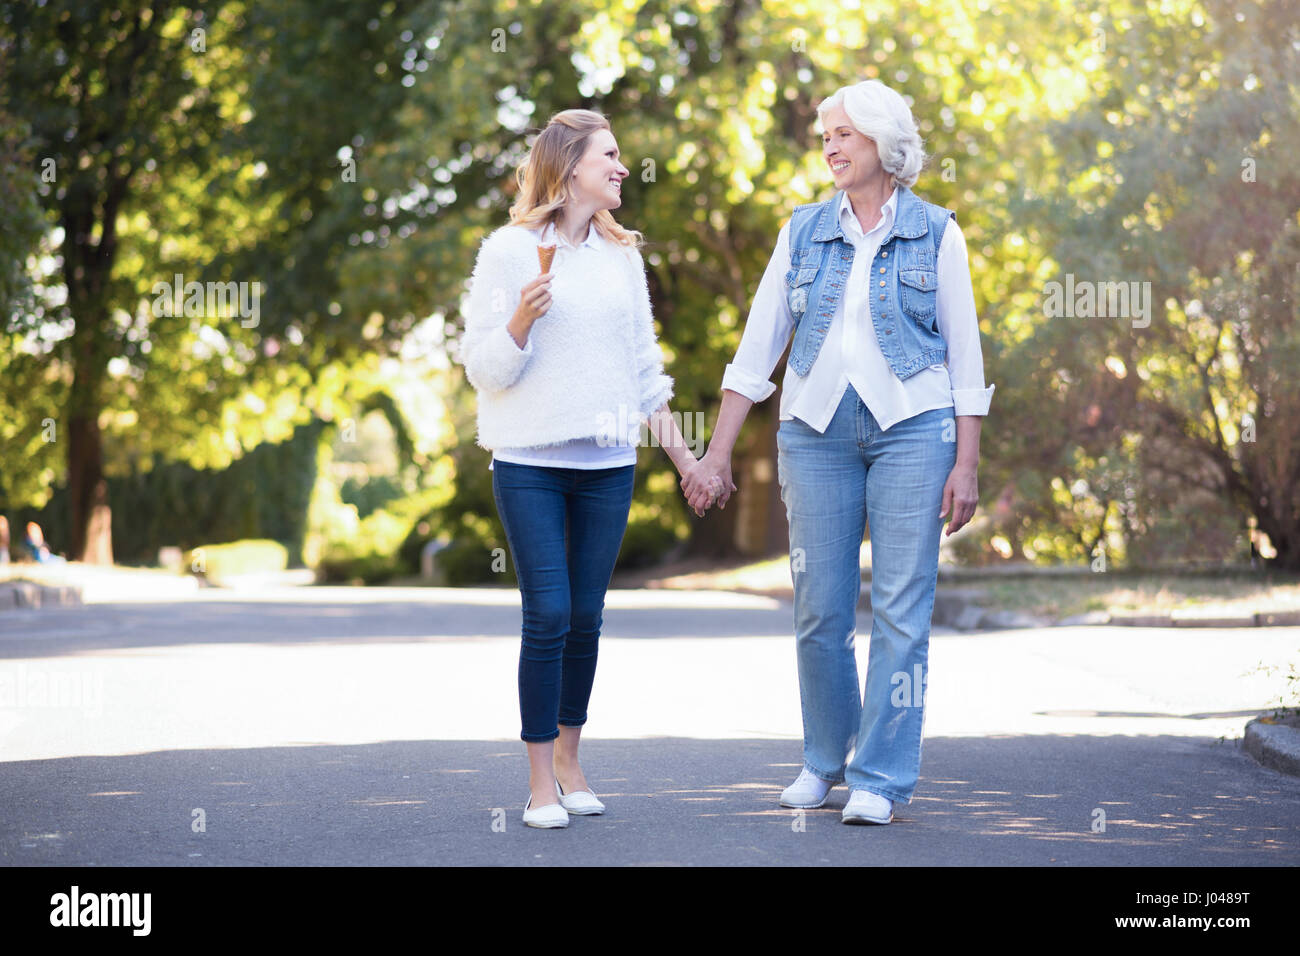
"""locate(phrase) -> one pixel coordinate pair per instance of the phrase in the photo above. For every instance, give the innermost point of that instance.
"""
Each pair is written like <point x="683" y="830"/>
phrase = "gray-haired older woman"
<point x="880" y="425"/>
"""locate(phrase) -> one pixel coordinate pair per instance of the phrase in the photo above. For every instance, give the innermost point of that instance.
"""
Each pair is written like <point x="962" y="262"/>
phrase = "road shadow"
<point x="987" y="801"/>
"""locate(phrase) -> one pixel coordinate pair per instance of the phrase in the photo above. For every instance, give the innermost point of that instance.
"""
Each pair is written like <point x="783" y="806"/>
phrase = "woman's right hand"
<point x="534" y="299"/>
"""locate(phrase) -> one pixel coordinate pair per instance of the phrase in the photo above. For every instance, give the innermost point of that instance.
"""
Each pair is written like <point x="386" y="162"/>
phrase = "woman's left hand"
<point x="961" y="494"/>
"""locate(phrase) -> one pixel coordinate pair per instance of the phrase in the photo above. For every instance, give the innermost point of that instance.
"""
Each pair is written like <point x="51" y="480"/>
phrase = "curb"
<point x="957" y="608"/>
<point x="1189" y="617"/>
<point x="1275" y="744"/>
<point x="1277" y="619"/>
<point x="28" y="594"/>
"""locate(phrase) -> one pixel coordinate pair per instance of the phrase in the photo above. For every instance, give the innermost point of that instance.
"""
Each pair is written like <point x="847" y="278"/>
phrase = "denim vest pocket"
<point x="920" y="292"/>
<point x="799" y="282"/>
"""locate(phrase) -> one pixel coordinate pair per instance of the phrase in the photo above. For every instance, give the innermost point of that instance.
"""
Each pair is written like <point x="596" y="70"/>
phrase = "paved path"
<point x="379" y="726"/>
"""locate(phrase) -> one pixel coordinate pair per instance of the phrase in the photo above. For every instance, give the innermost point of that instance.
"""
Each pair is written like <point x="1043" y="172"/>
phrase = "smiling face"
<point x="851" y="157"/>
<point x="598" y="177"/>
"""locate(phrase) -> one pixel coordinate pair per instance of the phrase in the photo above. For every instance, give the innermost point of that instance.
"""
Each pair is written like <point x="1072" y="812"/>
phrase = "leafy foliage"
<point x="351" y="156"/>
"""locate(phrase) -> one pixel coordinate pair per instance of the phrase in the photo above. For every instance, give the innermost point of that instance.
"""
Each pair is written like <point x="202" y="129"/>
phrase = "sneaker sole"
<point x="805" y="806"/>
<point x="861" y="820"/>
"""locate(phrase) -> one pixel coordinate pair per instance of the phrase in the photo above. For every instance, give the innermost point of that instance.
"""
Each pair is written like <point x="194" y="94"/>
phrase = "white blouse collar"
<point x="887" y="212"/>
<point x="551" y="236"/>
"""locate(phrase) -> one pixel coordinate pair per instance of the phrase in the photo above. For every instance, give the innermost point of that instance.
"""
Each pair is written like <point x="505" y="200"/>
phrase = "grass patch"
<point x="1049" y="594"/>
<point x="1058" y="597"/>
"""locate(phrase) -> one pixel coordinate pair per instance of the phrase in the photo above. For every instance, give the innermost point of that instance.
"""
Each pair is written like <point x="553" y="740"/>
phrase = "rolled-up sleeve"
<point x="959" y="326"/>
<point x="493" y="360"/>
<point x="654" y="386"/>
<point x="767" y="330"/>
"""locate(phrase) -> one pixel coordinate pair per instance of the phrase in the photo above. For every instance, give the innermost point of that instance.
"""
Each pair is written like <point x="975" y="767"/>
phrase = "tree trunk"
<point x="754" y="523"/>
<point x="1284" y="538"/>
<point x="714" y="535"/>
<point x="87" y="269"/>
<point x="91" y="527"/>
<point x="761" y="528"/>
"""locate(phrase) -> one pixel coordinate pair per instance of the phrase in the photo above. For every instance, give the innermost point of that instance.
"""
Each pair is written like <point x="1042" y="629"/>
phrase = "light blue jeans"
<point x="834" y="484"/>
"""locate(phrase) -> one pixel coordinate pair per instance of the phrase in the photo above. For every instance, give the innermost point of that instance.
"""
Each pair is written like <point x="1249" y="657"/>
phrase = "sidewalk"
<point x="70" y="584"/>
<point x="1273" y="742"/>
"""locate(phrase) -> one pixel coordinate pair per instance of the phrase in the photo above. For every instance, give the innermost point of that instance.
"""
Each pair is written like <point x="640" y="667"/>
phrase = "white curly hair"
<point x="882" y="115"/>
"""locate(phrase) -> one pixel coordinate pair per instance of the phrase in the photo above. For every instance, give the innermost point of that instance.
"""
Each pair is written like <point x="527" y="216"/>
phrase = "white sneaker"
<point x="548" y="817"/>
<point x="867" y="807"/>
<point x="807" y="793"/>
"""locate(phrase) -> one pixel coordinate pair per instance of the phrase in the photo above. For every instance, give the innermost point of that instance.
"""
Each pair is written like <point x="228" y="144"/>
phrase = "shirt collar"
<point x="887" y="212"/>
<point x="551" y="235"/>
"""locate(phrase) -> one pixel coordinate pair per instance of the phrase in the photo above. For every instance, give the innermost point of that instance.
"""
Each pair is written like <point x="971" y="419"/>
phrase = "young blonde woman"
<point x="567" y="368"/>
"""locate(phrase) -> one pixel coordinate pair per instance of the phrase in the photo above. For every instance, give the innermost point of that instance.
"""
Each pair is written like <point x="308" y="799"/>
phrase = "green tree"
<point x="1177" y="175"/>
<point x="204" y="140"/>
<point x="713" y="106"/>
<point x="24" y="436"/>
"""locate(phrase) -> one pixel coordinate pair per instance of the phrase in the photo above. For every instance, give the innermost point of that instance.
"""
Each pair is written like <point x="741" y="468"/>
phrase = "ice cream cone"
<point x="544" y="255"/>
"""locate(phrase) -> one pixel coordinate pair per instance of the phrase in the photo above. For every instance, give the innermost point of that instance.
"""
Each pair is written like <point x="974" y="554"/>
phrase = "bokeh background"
<point x="348" y="157"/>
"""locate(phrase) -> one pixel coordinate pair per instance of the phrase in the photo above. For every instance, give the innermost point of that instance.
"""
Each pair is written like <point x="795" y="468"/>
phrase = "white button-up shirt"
<point x="850" y="354"/>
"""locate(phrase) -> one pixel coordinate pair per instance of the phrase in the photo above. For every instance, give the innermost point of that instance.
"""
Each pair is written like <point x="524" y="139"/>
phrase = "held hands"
<point x="708" y="482"/>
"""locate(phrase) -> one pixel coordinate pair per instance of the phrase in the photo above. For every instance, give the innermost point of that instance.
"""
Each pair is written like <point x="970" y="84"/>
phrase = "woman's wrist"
<point x="519" y="327"/>
<point x="968" y="442"/>
<point x="682" y="459"/>
<point x="718" y="453"/>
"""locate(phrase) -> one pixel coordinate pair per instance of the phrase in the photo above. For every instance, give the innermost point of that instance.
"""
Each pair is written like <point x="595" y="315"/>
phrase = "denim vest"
<point x="903" y="278"/>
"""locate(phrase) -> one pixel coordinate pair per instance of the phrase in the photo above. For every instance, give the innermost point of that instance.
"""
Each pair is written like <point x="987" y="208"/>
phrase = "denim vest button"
<point x="882" y="270"/>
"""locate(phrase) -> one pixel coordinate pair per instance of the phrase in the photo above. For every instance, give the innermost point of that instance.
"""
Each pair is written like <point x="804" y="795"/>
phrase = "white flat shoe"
<point x="807" y="793"/>
<point x="550" y="817"/>
<point x="867" y="807"/>
<point x="581" y="802"/>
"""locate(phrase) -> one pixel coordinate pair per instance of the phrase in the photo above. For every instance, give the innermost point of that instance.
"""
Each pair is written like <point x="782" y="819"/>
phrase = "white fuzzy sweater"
<point x="591" y="367"/>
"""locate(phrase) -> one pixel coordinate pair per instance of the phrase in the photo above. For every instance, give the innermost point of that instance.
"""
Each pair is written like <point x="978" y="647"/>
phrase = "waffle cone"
<point x="544" y="255"/>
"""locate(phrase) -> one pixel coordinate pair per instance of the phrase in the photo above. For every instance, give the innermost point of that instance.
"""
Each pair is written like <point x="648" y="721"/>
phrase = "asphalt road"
<point x="322" y="726"/>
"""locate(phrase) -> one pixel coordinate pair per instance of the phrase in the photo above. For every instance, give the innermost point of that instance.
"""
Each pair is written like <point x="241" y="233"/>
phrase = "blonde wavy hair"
<point x="544" y="176"/>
